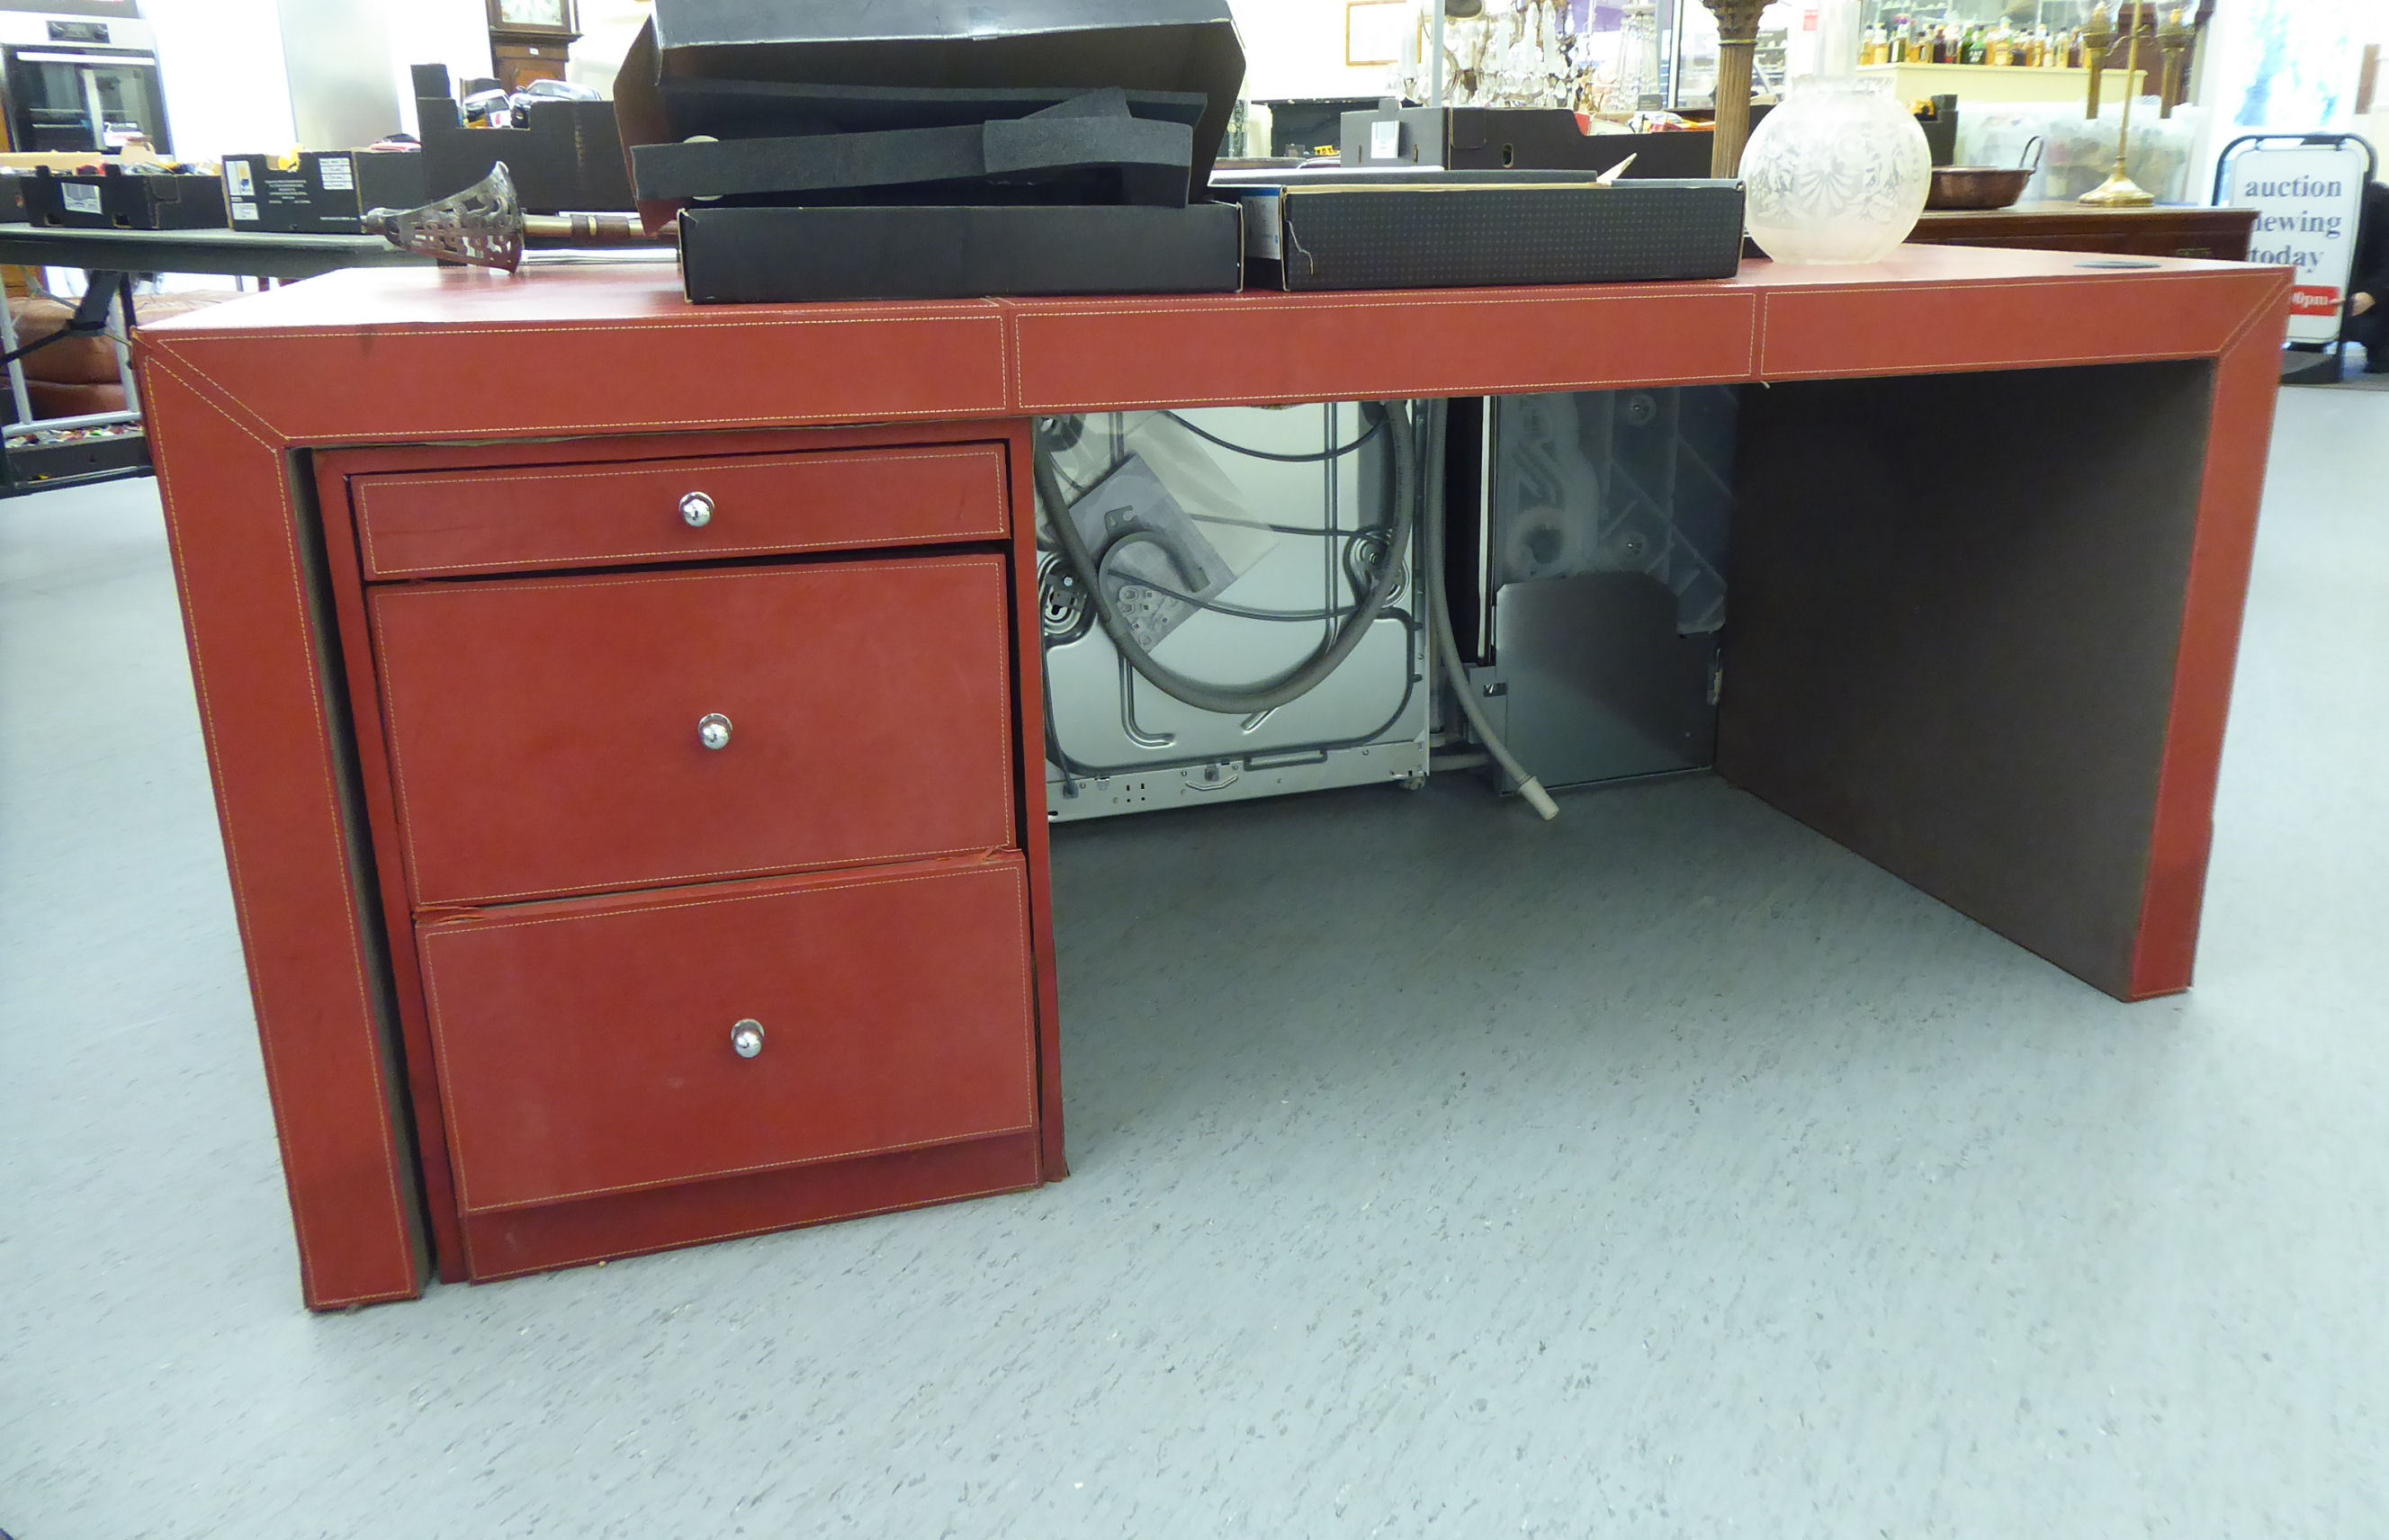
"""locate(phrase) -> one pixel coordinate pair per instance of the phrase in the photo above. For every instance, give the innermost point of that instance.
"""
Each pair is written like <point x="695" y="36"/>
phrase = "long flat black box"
<point x="327" y="193"/>
<point x="1471" y="229"/>
<point x="793" y="255"/>
<point x="123" y="200"/>
<point x="1093" y="150"/>
<point x="709" y="65"/>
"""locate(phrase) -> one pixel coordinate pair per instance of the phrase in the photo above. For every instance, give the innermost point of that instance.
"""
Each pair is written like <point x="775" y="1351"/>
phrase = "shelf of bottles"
<point x="1996" y="34"/>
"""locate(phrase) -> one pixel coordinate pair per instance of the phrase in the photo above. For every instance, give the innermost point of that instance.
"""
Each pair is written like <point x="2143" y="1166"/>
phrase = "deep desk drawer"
<point x="595" y="1046"/>
<point x="677" y="510"/>
<point x="555" y="736"/>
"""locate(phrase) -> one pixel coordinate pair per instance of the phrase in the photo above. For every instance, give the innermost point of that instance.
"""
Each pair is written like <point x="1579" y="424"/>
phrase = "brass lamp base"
<point x="2118" y="192"/>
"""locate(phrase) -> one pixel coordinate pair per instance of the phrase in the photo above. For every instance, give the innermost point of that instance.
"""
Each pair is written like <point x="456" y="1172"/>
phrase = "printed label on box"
<point x="1386" y="139"/>
<point x="81" y="196"/>
<point x="244" y="182"/>
<point x="243" y="211"/>
<point x="1263" y="237"/>
<point x="338" y="172"/>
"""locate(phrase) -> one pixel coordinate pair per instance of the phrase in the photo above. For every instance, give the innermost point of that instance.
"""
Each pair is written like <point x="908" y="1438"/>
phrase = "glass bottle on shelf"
<point x="1969" y="46"/>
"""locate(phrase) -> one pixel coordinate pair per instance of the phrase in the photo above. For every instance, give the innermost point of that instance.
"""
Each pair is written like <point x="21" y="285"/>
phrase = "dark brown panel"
<point x="1957" y="603"/>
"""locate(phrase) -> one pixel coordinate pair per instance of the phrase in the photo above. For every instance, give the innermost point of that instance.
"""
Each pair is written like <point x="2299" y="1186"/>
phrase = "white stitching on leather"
<point x="385" y="1107"/>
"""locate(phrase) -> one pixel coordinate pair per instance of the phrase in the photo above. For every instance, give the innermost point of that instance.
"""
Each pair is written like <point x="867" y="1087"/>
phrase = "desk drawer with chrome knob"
<point x="551" y="736"/>
<point x="599" y="1046"/>
<point x="518" y="519"/>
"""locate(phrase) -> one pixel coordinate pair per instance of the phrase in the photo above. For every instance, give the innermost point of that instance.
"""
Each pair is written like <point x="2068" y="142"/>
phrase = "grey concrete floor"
<point x="1663" y="1172"/>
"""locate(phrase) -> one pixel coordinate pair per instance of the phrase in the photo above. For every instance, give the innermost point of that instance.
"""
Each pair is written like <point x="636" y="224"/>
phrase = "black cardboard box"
<point x="897" y="64"/>
<point x="788" y="255"/>
<point x="1093" y="148"/>
<point x="327" y="193"/>
<point x="1552" y="138"/>
<point x="1356" y="230"/>
<point x="567" y="157"/>
<point x="124" y="200"/>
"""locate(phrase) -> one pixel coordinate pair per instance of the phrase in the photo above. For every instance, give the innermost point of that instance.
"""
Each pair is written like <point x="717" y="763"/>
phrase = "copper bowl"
<point x="1982" y="186"/>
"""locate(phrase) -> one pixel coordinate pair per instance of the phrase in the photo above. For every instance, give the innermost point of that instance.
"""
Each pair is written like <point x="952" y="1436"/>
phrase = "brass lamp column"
<point x="1737" y="22"/>
<point x="2119" y="191"/>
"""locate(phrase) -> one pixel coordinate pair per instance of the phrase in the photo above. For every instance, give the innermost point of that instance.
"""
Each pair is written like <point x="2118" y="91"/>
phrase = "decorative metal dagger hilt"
<point x="482" y="225"/>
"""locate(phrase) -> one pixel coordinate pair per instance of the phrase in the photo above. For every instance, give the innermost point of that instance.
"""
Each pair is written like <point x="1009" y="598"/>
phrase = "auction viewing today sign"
<point x="2307" y="199"/>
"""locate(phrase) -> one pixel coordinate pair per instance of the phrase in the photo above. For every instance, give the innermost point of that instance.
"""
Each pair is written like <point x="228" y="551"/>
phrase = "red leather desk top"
<point x="385" y="355"/>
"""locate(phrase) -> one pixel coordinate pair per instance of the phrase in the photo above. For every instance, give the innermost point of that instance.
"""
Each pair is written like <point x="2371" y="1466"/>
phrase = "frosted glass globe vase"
<point x="1837" y="173"/>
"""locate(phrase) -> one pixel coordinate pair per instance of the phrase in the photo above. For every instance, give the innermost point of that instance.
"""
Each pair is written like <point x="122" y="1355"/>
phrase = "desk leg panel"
<point x="2239" y="438"/>
<point x="1029" y="690"/>
<point x="1957" y="607"/>
<point x="248" y="573"/>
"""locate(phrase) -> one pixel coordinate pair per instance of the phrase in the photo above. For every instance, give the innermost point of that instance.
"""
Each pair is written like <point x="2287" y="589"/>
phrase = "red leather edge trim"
<point x="255" y="643"/>
<point x="1029" y="693"/>
<point x="398" y="385"/>
<point x="430" y="1126"/>
<point x="1099" y="355"/>
<point x="1879" y="330"/>
<point x="2239" y="434"/>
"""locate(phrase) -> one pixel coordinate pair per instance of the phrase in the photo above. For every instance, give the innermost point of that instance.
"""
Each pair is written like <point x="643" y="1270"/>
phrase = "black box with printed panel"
<point x="326" y="193"/>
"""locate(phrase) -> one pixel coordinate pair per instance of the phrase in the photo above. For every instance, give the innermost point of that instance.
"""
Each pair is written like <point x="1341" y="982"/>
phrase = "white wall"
<point x="227" y="92"/>
<point x="454" y="32"/>
<point x="219" y="62"/>
<point x="1296" y="48"/>
<point x="606" y="28"/>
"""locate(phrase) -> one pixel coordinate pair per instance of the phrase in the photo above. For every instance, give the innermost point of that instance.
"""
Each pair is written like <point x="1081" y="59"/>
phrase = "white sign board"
<point x="2307" y="199"/>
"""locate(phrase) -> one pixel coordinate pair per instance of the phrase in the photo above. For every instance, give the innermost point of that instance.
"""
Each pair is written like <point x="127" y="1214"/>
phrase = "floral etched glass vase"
<point x="1837" y="173"/>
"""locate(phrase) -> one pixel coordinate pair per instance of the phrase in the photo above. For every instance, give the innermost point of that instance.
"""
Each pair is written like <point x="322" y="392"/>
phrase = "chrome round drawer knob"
<point x="746" y="1038"/>
<point x="713" y="729"/>
<point x="697" y="510"/>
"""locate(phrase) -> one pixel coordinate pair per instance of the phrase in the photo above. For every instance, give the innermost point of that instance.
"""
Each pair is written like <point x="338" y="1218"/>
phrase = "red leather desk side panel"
<point x="263" y="702"/>
<point x="2238" y="440"/>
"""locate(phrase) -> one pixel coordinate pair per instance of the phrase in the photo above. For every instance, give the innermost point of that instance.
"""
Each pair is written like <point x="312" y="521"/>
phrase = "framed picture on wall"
<point x="533" y="18"/>
<point x="1375" y="30"/>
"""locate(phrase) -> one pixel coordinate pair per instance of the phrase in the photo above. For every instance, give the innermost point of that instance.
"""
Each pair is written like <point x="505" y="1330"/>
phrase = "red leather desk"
<point x="1983" y="635"/>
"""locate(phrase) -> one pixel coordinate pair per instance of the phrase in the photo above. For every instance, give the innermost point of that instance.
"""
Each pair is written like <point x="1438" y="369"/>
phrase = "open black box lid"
<point x="918" y="63"/>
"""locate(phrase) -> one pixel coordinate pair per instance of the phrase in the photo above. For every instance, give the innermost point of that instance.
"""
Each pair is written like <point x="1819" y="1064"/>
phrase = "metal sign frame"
<point x="2336" y="344"/>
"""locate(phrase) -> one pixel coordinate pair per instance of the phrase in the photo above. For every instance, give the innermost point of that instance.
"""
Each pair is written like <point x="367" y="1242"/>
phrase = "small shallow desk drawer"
<point x="677" y="510"/>
<point x="602" y="1046"/>
<point x="570" y="735"/>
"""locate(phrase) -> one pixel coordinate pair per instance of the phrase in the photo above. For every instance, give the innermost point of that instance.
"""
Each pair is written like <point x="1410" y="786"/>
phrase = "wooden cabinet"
<point x="2221" y="235"/>
<point x="699" y="827"/>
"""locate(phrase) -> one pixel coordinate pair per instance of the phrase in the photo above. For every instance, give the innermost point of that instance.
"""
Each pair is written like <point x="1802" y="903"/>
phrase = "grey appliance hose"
<point x="1300" y="680"/>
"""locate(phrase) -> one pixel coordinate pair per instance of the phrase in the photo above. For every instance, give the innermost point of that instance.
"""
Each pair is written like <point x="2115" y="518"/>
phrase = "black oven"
<point x="81" y="79"/>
